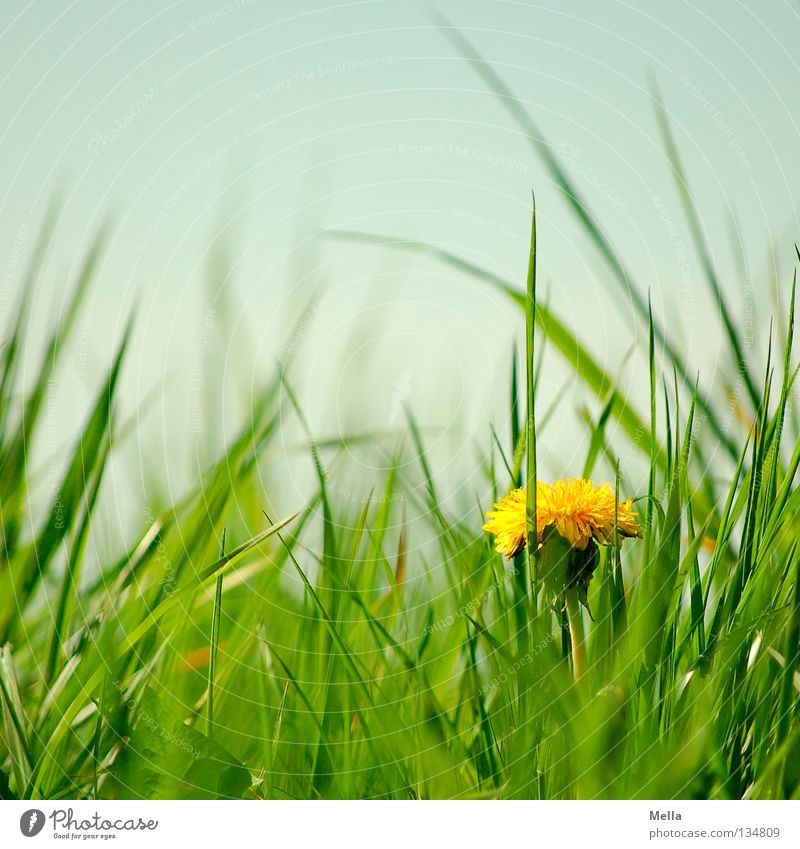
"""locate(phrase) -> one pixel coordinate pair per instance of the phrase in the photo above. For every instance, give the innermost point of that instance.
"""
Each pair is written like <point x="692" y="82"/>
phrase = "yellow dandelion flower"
<point x="577" y="509"/>
<point x="507" y="521"/>
<point x="581" y="511"/>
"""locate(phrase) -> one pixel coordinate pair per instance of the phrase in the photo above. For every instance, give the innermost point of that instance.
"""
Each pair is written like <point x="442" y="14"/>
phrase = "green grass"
<point x="227" y="652"/>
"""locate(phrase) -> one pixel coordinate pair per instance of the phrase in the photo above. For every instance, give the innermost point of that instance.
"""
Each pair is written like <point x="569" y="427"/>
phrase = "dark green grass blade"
<point x="659" y="580"/>
<point x="216" y="615"/>
<point x="514" y="414"/>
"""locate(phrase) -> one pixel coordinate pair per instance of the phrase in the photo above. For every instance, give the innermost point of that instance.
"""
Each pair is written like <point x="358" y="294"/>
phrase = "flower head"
<point x="507" y="520"/>
<point x="578" y="510"/>
<point x="581" y="511"/>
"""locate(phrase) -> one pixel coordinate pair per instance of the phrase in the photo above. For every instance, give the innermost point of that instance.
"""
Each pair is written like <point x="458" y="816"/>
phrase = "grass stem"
<point x="576" y="633"/>
<point x="531" y="475"/>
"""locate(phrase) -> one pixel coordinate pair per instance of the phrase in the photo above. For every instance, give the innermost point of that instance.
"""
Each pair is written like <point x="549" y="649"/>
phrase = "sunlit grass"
<point x="320" y="656"/>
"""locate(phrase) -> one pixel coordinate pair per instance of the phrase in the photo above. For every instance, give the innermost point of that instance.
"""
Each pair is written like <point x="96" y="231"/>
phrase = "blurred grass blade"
<point x="69" y="496"/>
<point x="619" y="273"/>
<point x="710" y="274"/>
<point x="573" y="350"/>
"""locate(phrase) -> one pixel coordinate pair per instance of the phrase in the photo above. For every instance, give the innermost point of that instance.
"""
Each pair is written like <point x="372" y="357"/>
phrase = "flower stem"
<point x="576" y="634"/>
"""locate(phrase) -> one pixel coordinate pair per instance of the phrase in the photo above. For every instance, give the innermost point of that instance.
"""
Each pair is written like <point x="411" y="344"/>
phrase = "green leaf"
<point x="167" y="759"/>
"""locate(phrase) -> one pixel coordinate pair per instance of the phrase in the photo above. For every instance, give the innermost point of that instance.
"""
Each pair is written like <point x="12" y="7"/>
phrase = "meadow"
<point x="231" y="652"/>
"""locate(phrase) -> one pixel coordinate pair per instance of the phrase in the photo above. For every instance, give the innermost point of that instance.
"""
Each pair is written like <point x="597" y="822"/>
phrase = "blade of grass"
<point x="216" y="615"/>
<point x="710" y="274"/>
<point x="619" y="273"/>
<point x="530" y="422"/>
<point x="70" y="494"/>
<point x="553" y="329"/>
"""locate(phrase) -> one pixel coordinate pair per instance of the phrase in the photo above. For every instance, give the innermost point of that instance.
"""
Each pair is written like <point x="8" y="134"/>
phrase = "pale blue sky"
<point x="275" y="119"/>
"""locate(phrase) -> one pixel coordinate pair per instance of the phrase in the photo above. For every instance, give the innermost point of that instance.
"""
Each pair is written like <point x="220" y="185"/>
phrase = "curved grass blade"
<point x="553" y="329"/>
<point x="619" y="273"/>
